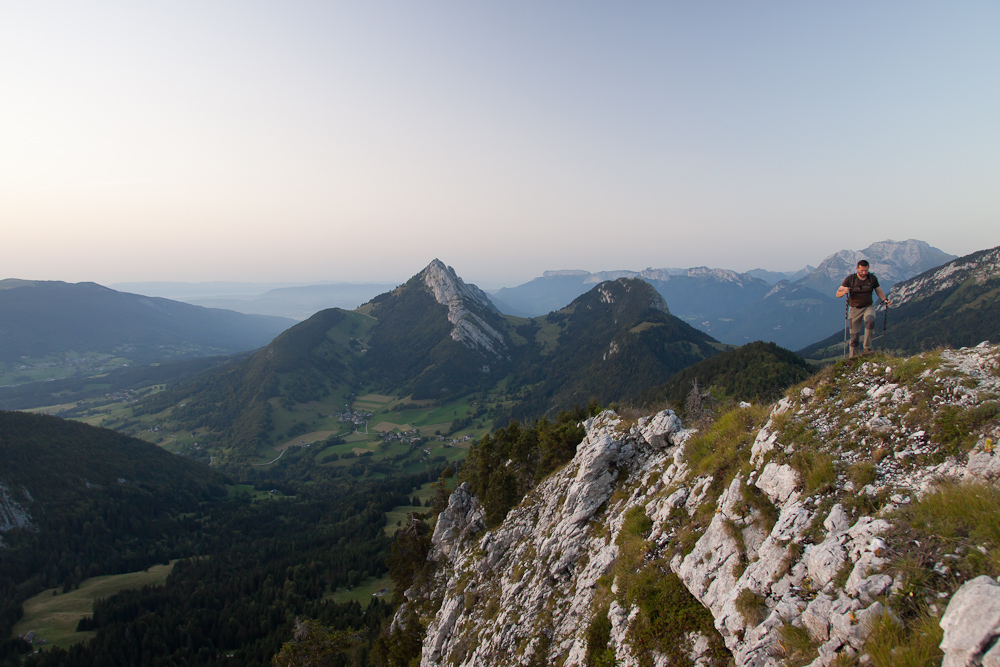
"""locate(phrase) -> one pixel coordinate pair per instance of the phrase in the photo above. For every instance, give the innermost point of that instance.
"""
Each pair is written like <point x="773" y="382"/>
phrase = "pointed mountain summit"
<point x="468" y="308"/>
<point x="436" y="336"/>
<point x="433" y="340"/>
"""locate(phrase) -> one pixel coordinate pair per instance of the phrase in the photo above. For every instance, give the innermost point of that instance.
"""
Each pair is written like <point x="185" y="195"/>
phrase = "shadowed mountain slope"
<point x="609" y="344"/>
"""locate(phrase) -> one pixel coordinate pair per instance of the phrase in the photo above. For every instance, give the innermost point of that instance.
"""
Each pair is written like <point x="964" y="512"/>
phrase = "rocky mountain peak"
<point x="563" y="273"/>
<point x="467" y="308"/>
<point x="891" y="261"/>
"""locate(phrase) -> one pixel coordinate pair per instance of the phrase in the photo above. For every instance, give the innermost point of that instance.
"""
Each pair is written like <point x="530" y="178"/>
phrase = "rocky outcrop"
<point x="466" y="305"/>
<point x="978" y="267"/>
<point x="458" y="523"/>
<point x="13" y="514"/>
<point x="786" y="528"/>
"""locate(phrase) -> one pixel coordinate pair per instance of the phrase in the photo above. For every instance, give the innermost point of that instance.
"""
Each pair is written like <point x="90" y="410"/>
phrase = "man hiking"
<point x="859" y="286"/>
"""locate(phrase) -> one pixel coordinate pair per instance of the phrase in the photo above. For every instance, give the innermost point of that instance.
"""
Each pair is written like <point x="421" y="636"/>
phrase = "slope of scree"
<point x="833" y="526"/>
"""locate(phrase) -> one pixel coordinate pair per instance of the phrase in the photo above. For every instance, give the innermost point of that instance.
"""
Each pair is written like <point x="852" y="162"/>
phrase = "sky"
<point x="336" y="141"/>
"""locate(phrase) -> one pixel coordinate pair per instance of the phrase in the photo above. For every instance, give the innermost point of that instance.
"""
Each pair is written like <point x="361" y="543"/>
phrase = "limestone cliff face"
<point x="466" y="305"/>
<point x="788" y="527"/>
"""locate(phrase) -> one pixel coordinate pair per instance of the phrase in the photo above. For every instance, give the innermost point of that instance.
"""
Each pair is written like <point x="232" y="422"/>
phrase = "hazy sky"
<point x="300" y="141"/>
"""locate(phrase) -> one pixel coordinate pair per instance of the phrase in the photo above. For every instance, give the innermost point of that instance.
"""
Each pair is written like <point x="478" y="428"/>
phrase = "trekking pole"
<point x="885" y="318"/>
<point x="847" y="310"/>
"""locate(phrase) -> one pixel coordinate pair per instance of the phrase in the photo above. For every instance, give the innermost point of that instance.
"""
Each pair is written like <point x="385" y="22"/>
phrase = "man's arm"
<point x="881" y="295"/>
<point x="844" y="287"/>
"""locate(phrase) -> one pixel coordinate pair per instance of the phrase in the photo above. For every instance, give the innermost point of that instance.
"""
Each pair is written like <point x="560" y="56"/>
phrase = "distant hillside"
<point x="954" y="305"/>
<point x="754" y="372"/>
<point x="297" y="301"/>
<point x="61" y="323"/>
<point x="692" y="294"/>
<point x="788" y="314"/>
<point x="551" y="291"/>
<point x="774" y="277"/>
<point x="78" y="501"/>
<point x="307" y="362"/>
<point x="78" y="387"/>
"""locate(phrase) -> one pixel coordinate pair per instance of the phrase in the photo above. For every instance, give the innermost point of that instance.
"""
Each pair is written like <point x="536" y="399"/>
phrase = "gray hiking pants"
<point x="857" y="316"/>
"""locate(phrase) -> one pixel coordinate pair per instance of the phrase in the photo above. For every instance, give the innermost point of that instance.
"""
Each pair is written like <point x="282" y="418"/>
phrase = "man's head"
<point x="863" y="268"/>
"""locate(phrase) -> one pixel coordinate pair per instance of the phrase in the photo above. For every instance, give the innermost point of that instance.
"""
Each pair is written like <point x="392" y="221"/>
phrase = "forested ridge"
<point x="754" y="372"/>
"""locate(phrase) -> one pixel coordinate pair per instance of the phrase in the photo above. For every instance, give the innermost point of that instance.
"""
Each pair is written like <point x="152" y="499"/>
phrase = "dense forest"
<point x="248" y="567"/>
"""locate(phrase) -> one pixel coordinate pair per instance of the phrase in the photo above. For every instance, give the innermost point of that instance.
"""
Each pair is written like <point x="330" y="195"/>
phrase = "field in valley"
<point x="53" y="615"/>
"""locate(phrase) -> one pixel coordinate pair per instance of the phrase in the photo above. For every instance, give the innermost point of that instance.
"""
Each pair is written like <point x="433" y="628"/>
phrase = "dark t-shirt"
<point x="861" y="290"/>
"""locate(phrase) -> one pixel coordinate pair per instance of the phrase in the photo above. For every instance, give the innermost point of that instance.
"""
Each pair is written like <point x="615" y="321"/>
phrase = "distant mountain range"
<point x="297" y="301"/>
<point x="954" y="305"/>
<point x="436" y="337"/>
<point x="791" y="309"/>
<point x="60" y="328"/>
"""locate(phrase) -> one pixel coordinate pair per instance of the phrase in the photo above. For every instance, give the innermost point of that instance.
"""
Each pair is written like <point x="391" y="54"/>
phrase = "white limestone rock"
<point x="971" y="623"/>
<point x="824" y="560"/>
<point x="462" y="519"/>
<point x="983" y="464"/>
<point x="779" y="482"/>
<point x="469" y="328"/>
<point x="659" y="429"/>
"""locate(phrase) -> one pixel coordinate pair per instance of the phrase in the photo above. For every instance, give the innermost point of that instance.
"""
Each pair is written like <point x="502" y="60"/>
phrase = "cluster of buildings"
<point x="352" y="416"/>
<point x="412" y="436"/>
<point x="127" y="396"/>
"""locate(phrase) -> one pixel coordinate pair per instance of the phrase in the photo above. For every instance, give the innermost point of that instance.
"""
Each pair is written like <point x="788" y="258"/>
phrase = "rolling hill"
<point x="754" y="372"/>
<point x="51" y="329"/>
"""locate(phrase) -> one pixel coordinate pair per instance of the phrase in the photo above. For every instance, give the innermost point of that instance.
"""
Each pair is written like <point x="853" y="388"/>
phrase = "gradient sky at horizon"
<point x="308" y="141"/>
